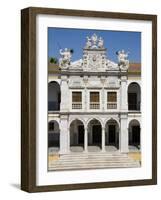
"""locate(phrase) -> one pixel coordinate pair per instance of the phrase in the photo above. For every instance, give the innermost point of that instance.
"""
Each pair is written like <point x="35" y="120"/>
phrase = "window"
<point x="76" y="100"/>
<point x="94" y="100"/>
<point x="51" y="126"/>
<point x="111" y="100"/>
<point x="76" y="97"/>
<point x="94" y="96"/>
<point x="112" y="97"/>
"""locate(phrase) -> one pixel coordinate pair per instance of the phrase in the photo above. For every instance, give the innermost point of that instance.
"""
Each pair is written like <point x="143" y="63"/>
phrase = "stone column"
<point x="103" y="101"/>
<point x="64" y="106"/>
<point x="85" y="79"/>
<point x="64" y="135"/>
<point x="124" y="146"/>
<point x="123" y="94"/>
<point x="85" y="139"/>
<point x="103" y="139"/>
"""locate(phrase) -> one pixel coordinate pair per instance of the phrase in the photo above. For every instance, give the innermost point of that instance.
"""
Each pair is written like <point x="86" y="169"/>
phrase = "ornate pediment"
<point x="94" y="58"/>
<point x="111" y="66"/>
<point x="76" y="65"/>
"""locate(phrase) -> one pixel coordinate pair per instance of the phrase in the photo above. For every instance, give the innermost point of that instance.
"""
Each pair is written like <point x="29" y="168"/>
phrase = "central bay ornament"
<point x="94" y="58"/>
<point x="94" y="42"/>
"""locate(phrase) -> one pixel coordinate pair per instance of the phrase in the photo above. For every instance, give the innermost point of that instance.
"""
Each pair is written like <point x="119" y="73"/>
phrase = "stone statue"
<point x="100" y="43"/>
<point x="64" y="61"/>
<point x="94" y="39"/>
<point x="123" y="59"/>
<point x="93" y="42"/>
<point x="88" y="43"/>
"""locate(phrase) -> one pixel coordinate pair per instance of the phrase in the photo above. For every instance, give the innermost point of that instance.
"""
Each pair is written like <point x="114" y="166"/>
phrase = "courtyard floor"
<point x="54" y="157"/>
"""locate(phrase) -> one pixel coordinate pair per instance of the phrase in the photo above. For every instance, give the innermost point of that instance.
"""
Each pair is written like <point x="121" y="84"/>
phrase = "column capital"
<point x="123" y="78"/>
<point x="64" y="78"/>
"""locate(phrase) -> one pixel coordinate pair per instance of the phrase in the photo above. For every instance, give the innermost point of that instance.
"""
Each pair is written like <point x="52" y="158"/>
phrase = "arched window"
<point x="54" y="96"/>
<point x="134" y="96"/>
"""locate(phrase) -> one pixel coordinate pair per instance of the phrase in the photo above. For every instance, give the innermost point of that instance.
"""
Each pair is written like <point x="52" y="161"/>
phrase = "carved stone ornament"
<point x="94" y="42"/>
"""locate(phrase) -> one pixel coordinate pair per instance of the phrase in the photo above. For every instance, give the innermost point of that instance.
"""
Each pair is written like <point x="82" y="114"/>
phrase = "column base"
<point x="124" y="151"/>
<point x="103" y="150"/>
<point x="64" y="152"/>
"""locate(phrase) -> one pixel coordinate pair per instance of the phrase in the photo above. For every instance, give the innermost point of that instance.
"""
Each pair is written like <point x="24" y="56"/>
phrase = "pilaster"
<point x="124" y="146"/>
<point x="123" y="94"/>
<point x="64" y="106"/>
<point x="64" y="135"/>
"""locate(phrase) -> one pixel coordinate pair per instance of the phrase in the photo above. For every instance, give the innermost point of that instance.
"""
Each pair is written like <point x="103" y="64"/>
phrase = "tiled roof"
<point x="53" y="68"/>
<point x="134" y="68"/>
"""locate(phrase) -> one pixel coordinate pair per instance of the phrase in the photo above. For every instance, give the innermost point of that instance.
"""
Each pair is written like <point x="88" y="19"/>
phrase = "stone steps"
<point x="80" y="167"/>
<point x="92" y="157"/>
<point x="92" y="161"/>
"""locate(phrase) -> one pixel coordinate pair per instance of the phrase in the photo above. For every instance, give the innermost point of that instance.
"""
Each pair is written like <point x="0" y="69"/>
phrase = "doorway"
<point x="81" y="135"/>
<point x="96" y="134"/>
<point x="112" y="134"/>
<point x="136" y="135"/>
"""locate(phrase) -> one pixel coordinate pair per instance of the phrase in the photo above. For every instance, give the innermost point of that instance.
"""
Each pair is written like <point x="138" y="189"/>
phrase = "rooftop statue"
<point x="65" y="59"/>
<point x="94" y="42"/>
<point x="123" y="59"/>
<point x="100" y="43"/>
<point x="88" y="43"/>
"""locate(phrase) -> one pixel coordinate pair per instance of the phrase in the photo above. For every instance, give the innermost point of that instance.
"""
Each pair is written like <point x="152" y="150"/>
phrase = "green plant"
<point x="53" y="60"/>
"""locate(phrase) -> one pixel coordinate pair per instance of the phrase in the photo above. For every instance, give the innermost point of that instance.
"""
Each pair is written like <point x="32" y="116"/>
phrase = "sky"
<point x="60" y="38"/>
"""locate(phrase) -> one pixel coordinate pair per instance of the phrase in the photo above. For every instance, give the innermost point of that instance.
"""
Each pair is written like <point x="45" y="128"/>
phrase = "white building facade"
<point x="94" y="104"/>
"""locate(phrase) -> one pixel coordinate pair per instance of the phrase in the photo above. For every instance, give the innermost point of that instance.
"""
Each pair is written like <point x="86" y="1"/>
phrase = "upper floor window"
<point x="76" y="100"/>
<point x="94" y="100"/>
<point x="134" y="97"/>
<point x="112" y="100"/>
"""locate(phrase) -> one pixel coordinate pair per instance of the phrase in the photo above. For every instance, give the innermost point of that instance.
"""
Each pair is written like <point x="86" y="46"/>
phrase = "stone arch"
<point x="79" y="119"/>
<point x="112" y="118"/>
<point x="54" y="96"/>
<point x="94" y="127"/>
<point x="134" y="96"/>
<point x="96" y="118"/>
<point x="112" y="133"/>
<point x="134" y="135"/>
<point x="53" y="135"/>
<point x="76" y="135"/>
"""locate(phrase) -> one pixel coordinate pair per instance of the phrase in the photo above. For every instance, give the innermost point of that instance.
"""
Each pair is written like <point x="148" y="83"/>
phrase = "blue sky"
<point x="76" y="38"/>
